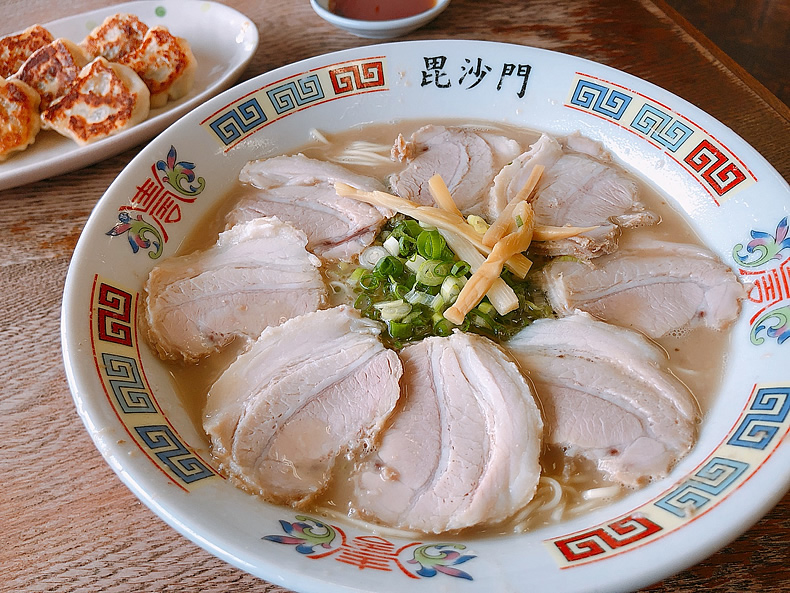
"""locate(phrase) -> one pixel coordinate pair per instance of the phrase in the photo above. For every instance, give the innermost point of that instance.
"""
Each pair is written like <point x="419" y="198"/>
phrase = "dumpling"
<point x="51" y="69"/>
<point x="104" y="99"/>
<point x="165" y="63"/>
<point x="19" y="117"/>
<point x="117" y="36"/>
<point x="16" y="49"/>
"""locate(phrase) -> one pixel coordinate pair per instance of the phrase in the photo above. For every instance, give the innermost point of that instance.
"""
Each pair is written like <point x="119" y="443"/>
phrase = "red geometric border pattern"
<point x="721" y="173"/>
<point x="365" y="75"/>
<point x="617" y="534"/>
<point x="114" y="315"/>
<point x="116" y="354"/>
<point x="717" y="169"/>
<point x="731" y="464"/>
<point x="249" y="114"/>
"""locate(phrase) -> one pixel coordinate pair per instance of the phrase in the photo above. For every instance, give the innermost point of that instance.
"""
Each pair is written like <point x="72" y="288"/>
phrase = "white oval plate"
<point x="223" y="41"/>
<point x="734" y="199"/>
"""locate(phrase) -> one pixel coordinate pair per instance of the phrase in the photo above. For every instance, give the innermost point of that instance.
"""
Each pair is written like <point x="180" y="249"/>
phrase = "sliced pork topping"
<point x="653" y="286"/>
<point x="463" y="446"/>
<point x="579" y="187"/>
<point x="258" y="274"/>
<point x="607" y="396"/>
<point x="467" y="161"/>
<point x="306" y="392"/>
<point x="508" y="183"/>
<point x="300" y="190"/>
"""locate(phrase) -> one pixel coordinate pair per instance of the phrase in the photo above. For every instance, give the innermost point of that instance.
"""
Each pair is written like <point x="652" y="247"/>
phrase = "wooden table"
<point x="66" y="522"/>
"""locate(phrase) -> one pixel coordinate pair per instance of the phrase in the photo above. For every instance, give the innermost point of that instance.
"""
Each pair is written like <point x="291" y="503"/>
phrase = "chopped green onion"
<point x="400" y="330"/>
<point x="480" y="318"/>
<point x="418" y="297"/>
<point x="388" y="267"/>
<point x="406" y="246"/>
<point x="410" y="228"/>
<point x="356" y="275"/>
<point x="487" y="308"/>
<point x="430" y="274"/>
<point x="460" y="268"/>
<point x="363" y="302"/>
<point x="438" y="303"/>
<point x="451" y="288"/>
<point x="414" y="262"/>
<point x="392" y="245"/>
<point x="443" y="328"/>
<point x="412" y="317"/>
<point x="369" y="282"/>
<point x="430" y="244"/>
<point x="399" y="290"/>
<point x="393" y="310"/>
<point x="443" y="268"/>
<point x="371" y="256"/>
<point x="411" y="275"/>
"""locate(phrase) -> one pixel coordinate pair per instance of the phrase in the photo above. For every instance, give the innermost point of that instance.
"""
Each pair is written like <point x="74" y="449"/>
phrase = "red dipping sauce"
<point x="379" y="10"/>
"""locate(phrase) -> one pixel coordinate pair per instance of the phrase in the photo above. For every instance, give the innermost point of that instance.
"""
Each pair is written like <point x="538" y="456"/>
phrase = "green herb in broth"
<point x="415" y="277"/>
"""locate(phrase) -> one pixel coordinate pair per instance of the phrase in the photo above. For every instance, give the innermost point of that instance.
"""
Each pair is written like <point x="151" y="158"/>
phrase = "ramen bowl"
<point x="732" y="198"/>
<point x="378" y="29"/>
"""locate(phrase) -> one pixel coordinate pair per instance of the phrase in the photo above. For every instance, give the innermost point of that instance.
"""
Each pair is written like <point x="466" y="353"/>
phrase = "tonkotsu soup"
<point x="568" y="485"/>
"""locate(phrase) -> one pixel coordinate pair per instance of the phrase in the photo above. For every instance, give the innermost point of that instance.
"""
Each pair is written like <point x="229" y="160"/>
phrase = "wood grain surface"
<point x="755" y="33"/>
<point x="67" y="524"/>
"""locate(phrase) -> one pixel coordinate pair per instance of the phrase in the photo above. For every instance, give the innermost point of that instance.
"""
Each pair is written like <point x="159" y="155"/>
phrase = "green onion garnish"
<point x="369" y="282"/>
<point x="415" y="276"/>
<point x="363" y="302"/>
<point x="400" y="330"/>
<point x="430" y="272"/>
<point x="388" y="267"/>
<point x="430" y="244"/>
<point x="460" y="268"/>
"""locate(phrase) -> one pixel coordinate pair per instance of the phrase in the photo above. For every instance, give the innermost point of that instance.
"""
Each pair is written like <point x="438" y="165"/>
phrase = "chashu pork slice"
<point x="546" y="151"/>
<point x="654" y="286"/>
<point x="463" y="446"/>
<point x="467" y="161"/>
<point x="306" y="393"/>
<point x="257" y="275"/>
<point x="580" y="186"/>
<point x="607" y="396"/>
<point x="300" y="190"/>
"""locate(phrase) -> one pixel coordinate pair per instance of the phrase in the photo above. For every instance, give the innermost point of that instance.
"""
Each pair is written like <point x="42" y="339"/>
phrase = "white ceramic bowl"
<point x="378" y="29"/>
<point x="732" y="196"/>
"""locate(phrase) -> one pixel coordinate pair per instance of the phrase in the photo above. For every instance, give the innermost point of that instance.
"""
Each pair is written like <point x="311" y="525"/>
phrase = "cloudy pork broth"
<point x="567" y="486"/>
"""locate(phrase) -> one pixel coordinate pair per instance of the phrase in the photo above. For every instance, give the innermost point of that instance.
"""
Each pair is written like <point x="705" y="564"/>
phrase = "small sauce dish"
<point x="378" y="29"/>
